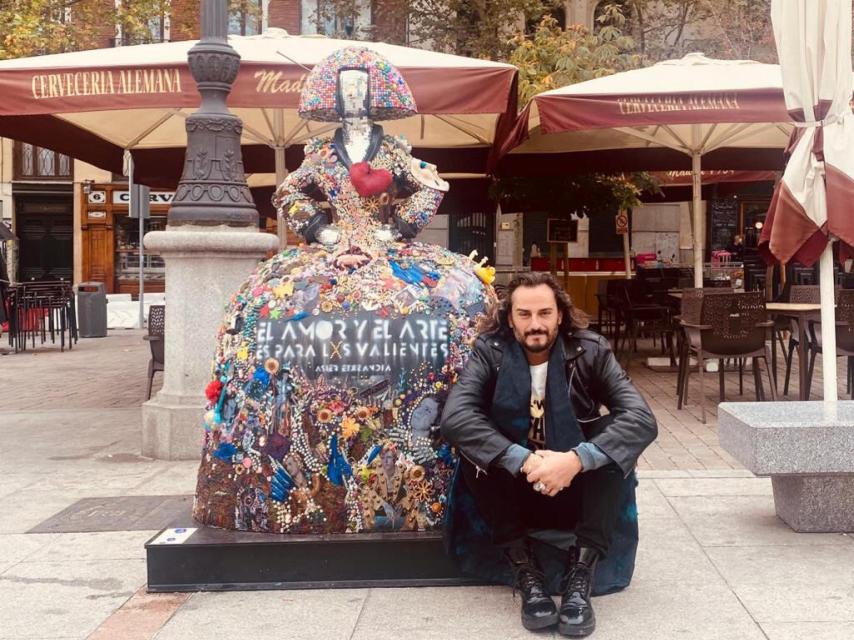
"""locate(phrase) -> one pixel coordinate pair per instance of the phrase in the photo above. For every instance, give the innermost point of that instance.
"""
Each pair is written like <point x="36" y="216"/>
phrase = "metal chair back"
<point x="845" y="320"/>
<point x="157" y="329"/>
<point x="735" y="323"/>
<point x="691" y="305"/>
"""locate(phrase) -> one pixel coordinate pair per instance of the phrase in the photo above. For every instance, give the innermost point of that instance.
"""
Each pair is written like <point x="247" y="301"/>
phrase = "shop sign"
<point x="155" y="197"/>
<point x="622" y="221"/>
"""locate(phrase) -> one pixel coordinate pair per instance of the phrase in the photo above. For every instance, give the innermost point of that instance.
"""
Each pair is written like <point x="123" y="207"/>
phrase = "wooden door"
<point x="45" y="228"/>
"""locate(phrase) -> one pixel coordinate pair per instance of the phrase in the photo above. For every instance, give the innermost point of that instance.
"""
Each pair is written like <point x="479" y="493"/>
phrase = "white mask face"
<point x="353" y="88"/>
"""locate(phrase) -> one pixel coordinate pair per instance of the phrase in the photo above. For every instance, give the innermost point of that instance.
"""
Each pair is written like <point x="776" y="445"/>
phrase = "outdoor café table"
<point x="801" y="312"/>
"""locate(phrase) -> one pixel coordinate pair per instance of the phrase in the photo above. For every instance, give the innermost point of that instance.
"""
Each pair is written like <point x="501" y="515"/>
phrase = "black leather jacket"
<point x="595" y="380"/>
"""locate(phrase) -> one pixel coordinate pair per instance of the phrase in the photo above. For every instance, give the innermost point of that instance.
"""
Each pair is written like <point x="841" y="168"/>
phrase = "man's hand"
<point x="531" y="462"/>
<point x="556" y="470"/>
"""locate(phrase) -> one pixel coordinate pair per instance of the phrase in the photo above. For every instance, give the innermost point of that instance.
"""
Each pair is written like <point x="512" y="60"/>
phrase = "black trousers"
<point x="511" y="507"/>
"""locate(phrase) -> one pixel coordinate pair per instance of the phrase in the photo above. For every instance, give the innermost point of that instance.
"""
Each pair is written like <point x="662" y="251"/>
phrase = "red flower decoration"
<point x="369" y="181"/>
<point x="213" y="390"/>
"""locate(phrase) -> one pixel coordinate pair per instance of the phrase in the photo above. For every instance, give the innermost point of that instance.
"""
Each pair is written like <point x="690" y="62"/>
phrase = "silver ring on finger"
<point x="539" y="487"/>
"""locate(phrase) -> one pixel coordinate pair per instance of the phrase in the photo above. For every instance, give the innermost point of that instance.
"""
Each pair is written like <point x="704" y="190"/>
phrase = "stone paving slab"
<point x="174" y="477"/>
<point x="69" y="598"/>
<point x="675" y="610"/>
<point x="26" y="508"/>
<point x="455" y="612"/>
<point x="307" y="615"/>
<point x="108" y="545"/>
<point x="811" y="630"/>
<point x="712" y="486"/>
<point x="98" y="373"/>
<point x="743" y="520"/>
<point x="669" y="555"/>
<point x="652" y="503"/>
<point x="817" y="602"/>
<point x="16" y="547"/>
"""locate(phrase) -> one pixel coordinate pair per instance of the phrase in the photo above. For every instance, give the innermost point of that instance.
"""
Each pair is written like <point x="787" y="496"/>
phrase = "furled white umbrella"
<point x="812" y="203"/>
<point x="726" y="114"/>
<point x="97" y="104"/>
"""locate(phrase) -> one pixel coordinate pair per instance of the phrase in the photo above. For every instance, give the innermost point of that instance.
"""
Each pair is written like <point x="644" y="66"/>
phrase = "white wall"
<point x="7" y="213"/>
<point x="508" y="240"/>
<point x="6" y="202"/>
<point x="581" y="248"/>
<point x="657" y="228"/>
<point x="436" y="232"/>
<point x="686" y="232"/>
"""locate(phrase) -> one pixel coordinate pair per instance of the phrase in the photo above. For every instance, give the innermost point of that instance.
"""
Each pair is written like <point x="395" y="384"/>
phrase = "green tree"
<point x="744" y="29"/>
<point x="553" y="57"/>
<point x="38" y="27"/>
<point x="244" y="16"/>
<point x="35" y="27"/>
<point x="666" y="29"/>
<point x="476" y="28"/>
<point x="143" y="21"/>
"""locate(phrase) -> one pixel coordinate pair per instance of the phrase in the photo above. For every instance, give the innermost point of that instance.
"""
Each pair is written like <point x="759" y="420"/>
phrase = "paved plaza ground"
<point x="714" y="561"/>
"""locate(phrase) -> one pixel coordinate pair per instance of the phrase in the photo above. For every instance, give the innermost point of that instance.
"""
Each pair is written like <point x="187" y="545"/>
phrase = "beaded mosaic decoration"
<point x="329" y="378"/>
<point x="389" y="95"/>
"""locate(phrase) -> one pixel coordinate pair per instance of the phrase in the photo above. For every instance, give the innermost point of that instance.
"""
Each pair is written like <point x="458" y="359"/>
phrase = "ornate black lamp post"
<point x="213" y="189"/>
<point x="210" y="245"/>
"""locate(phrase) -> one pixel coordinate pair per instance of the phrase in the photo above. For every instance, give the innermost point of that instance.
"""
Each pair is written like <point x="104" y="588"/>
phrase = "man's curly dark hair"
<point x="495" y="321"/>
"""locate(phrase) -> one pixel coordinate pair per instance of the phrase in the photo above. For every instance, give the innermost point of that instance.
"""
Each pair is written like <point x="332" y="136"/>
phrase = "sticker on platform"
<point x="174" y="536"/>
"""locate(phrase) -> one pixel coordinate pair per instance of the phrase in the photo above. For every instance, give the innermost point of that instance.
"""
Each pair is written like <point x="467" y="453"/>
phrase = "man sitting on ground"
<point x="535" y="453"/>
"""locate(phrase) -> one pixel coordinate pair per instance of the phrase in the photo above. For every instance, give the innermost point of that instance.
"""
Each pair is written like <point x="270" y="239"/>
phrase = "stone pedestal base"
<point x="172" y="430"/>
<point x="815" y="504"/>
<point x="219" y="560"/>
<point x="205" y="266"/>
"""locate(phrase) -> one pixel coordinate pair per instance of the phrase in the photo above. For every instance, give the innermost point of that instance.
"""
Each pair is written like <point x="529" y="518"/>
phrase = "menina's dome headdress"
<point x="389" y="95"/>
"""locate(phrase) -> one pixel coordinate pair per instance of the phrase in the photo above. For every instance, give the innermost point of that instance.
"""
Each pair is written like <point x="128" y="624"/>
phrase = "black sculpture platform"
<point x="219" y="560"/>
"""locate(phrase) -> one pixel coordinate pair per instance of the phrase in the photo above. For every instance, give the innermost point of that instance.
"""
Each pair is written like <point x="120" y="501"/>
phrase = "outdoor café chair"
<point x="844" y="336"/>
<point x="156" y="340"/>
<point x="732" y="325"/>
<point x="804" y="294"/>
<point x="39" y="309"/>
<point x="690" y="307"/>
<point x="607" y="312"/>
<point x="639" y="311"/>
<point x="614" y="301"/>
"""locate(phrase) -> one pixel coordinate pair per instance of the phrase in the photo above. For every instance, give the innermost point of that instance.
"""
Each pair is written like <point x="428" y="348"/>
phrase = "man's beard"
<point x="537" y="348"/>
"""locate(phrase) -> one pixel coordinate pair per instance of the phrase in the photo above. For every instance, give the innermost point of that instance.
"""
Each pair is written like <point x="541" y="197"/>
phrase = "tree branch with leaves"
<point x="553" y="57"/>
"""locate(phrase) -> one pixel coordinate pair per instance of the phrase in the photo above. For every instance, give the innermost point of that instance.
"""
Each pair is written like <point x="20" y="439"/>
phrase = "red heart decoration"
<point x="369" y="181"/>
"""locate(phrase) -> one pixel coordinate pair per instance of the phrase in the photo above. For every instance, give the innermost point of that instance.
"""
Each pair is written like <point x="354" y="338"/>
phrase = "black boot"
<point x="538" y="608"/>
<point x="576" y="612"/>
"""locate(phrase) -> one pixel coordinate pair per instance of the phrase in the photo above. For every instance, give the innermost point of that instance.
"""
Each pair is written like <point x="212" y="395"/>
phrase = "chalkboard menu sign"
<point x="723" y="225"/>
<point x="562" y="230"/>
